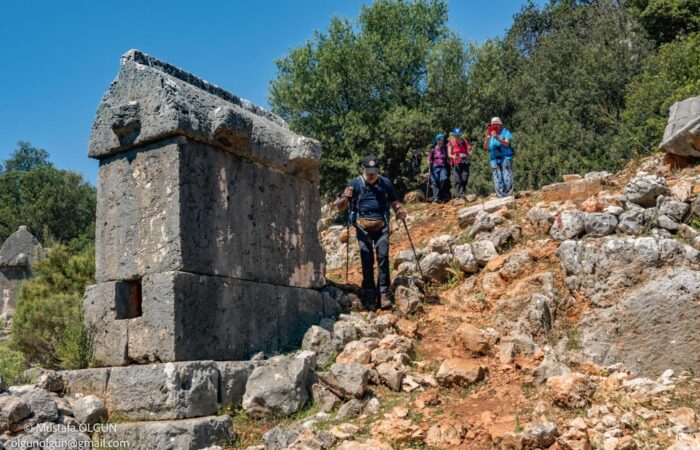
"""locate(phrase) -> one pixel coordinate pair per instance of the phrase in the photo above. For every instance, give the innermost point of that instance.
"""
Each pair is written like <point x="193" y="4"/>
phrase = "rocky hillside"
<point x="565" y="318"/>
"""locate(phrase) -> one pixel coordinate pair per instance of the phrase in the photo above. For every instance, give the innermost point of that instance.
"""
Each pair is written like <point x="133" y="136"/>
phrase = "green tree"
<point x="52" y="202"/>
<point x="360" y="87"/>
<point x="673" y="74"/>
<point x="664" y="20"/>
<point x="25" y="158"/>
<point x="48" y="323"/>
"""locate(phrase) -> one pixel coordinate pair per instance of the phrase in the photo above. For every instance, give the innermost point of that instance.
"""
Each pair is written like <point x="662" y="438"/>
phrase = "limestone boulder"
<point x="674" y="209"/>
<point x="50" y="380"/>
<point x="441" y="244"/>
<point x="600" y="224"/>
<point x="42" y="403"/>
<point x="446" y="434"/>
<point x="21" y="249"/>
<point x="12" y="410"/>
<point x="485" y="221"/>
<point x="346" y="380"/>
<point x="632" y="222"/>
<point x="408" y="300"/>
<point x="407" y="256"/>
<point x="571" y="190"/>
<point x="435" y="266"/>
<point x="89" y="410"/>
<point x="466" y="216"/>
<point x="541" y="219"/>
<point x="651" y="328"/>
<point x="465" y="258"/>
<point x="515" y="264"/>
<point x="573" y="390"/>
<point x="324" y="398"/>
<point x="645" y="189"/>
<point x="472" y="338"/>
<point x="460" y="372"/>
<point x="355" y="352"/>
<point x="682" y="133"/>
<point x="280" y="387"/>
<point x="568" y="225"/>
<point x="484" y="251"/>
<point x="391" y="374"/>
<point x="349" y="410"/>
<point x="321" y="342"/>
<point x="195" y="433"/>
<point x="541" y="435"/>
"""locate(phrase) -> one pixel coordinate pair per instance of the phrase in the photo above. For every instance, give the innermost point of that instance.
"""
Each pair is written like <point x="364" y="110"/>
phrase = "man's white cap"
<point x="496" y="120"/>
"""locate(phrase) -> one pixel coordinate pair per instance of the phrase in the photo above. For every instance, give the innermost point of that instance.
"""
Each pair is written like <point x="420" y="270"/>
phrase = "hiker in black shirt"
<point x="370" y="195"/>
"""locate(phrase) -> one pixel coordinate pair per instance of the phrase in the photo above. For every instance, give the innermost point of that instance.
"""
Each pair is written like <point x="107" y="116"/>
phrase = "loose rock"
<point x="346" y="380"/>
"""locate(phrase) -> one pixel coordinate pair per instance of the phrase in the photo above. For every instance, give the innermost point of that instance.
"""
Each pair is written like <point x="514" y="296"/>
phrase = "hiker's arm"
<point x="503" y="142"/>
<point x="486" y="143"/>
<point x="342" y="202"/>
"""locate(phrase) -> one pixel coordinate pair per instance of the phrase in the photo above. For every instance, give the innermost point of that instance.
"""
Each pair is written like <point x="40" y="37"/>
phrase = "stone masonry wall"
<point x="207" y="215"/>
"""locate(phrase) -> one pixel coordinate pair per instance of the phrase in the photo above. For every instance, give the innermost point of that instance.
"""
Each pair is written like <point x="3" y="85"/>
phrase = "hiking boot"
<point x="370" y="304"/>
<point x="385" y="301"/>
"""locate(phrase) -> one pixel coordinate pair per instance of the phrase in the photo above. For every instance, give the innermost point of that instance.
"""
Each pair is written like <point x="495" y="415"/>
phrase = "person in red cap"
<point x="498" y="143"/>
<point x="370" y="196"/>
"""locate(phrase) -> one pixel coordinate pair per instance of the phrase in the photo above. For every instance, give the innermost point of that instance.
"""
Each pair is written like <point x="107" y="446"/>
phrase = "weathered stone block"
<point x="571" y="190"/>
<point x="233" y="376"/>
<point x="189" y="434"/>
<point x="18" y="253"/>
<point x="199" y="209"/>
<point x="151" y="392"/>
<point x="682" y="134"/>
<point x="188" y="317"/>
<point x="466" y="216"/>
<point x="207" y="212"/>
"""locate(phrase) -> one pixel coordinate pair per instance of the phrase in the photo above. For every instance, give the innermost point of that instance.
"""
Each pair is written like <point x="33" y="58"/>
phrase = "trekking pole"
<point x="427" y="187"/>
<point x="415" y="255"/>
<point x="347" y="251"/>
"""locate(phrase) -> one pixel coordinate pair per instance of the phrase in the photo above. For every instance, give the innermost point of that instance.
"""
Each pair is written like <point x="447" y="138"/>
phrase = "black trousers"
<point x="370" y="243"/>
<point x="461" y="178"/>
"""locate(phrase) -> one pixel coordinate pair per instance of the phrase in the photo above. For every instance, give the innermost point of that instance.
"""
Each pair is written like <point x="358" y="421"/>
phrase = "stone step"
<point x="188" y="434"/>
<point x="164" y="391"/>
<point x="466" y="216"/>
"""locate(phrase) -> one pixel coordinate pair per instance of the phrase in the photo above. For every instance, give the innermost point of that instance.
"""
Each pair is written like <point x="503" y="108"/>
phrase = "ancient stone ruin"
<point x="682" y="133"/>
<point x="17" y="255"/>
<point x="207" y="212"/>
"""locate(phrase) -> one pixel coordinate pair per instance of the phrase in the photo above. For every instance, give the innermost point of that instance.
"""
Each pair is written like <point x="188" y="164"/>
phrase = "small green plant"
<point x="518" y="426"/>
<point x="574" y="339"/>
<point x="695" y="223"/>
<point x="12" y="366"/>
<point x="329" y="363"/>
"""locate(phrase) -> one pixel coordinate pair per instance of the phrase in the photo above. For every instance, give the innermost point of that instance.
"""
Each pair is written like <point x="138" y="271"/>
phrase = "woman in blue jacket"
<point x="498" y="143"/>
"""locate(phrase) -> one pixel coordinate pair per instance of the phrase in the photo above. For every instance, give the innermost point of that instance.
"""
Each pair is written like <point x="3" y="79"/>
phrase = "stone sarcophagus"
<point x="207" y="213"/>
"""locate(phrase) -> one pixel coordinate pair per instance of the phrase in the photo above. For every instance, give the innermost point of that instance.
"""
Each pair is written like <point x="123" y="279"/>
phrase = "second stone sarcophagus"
<point x="207" y="213"/>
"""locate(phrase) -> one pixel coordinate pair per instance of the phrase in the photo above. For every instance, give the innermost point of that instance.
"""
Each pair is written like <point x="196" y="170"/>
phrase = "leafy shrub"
<point x="673" y="74"/>
<point x="12" y="365"/>
<point x="48" y="323"/>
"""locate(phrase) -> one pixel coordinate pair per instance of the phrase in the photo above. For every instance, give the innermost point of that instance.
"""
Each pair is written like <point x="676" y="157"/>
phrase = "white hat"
<point x="496" y="120"/>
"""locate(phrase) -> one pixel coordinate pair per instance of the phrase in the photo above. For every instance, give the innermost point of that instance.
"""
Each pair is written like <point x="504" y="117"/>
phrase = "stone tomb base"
<point x="165" y="405"/>
<point x="180" y="316"/>
<point x="188" y="434"/>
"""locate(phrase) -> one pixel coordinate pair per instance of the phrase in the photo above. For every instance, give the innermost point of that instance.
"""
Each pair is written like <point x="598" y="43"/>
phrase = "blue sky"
<point x="58" y="57"/>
